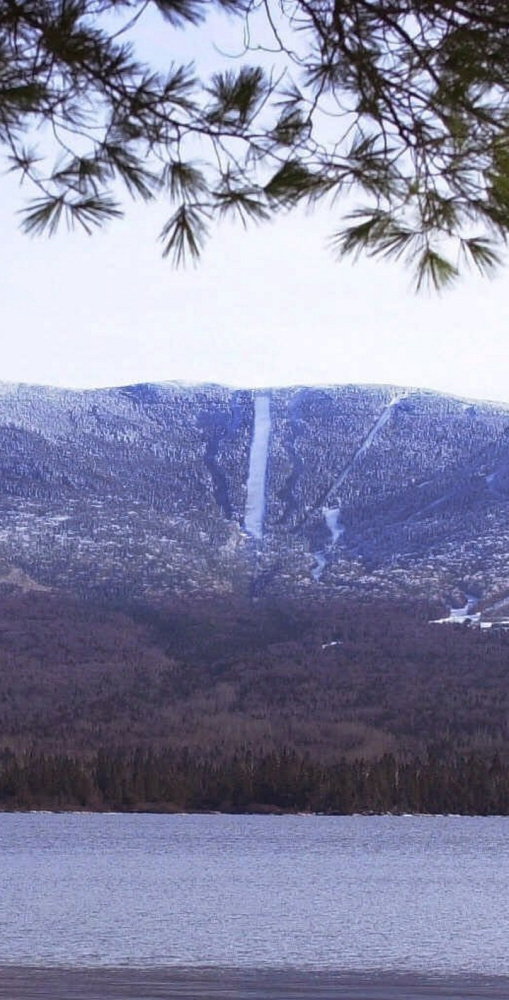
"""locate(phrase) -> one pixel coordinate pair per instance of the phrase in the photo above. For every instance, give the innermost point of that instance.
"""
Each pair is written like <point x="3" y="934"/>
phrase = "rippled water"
<point x="337" y="893"/>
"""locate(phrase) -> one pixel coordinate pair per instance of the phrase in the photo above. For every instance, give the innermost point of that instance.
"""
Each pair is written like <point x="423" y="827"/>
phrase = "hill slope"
<point x="217" y="675"/>
<point x="151" y="490"/>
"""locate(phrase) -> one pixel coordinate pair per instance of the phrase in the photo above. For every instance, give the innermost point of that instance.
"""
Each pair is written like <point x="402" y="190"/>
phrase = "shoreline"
<point x="73" y="811"/>
<point x="63" y="983"/>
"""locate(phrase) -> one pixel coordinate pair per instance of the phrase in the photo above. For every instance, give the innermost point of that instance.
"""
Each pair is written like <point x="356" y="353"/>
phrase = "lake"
<point x="130" y="902"/>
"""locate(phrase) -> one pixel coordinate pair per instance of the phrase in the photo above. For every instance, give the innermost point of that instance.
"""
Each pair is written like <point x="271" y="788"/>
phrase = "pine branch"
<point x="184" y="235"/>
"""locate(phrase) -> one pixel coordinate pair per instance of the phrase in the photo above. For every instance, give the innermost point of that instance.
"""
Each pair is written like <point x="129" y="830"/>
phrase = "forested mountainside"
<point x="218" y="676"/>
<point x="235" y="591"/>
<point x="150" y="490"/>
<point x="236" y="705"/>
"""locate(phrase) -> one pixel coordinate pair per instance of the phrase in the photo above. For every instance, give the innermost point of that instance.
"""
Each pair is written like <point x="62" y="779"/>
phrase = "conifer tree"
<point x="403" y="105"/>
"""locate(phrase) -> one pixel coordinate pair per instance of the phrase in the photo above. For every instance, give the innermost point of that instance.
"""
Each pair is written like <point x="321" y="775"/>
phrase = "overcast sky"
<point x="266" y="306"/>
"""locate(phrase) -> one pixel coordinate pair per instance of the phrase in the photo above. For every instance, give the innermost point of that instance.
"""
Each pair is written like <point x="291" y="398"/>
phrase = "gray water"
<point x="328" y="893"/>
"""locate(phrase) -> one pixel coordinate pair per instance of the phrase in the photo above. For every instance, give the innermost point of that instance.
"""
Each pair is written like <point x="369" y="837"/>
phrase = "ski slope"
<point x="257" y="475"/>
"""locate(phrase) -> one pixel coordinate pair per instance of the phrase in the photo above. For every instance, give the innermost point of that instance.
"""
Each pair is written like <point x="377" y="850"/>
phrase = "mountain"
<point x="217" y="572"/>
<point x="354" y="491"/>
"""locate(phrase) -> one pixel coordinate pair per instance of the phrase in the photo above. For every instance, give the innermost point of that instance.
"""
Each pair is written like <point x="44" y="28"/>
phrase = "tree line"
<point x="173" y="780"/>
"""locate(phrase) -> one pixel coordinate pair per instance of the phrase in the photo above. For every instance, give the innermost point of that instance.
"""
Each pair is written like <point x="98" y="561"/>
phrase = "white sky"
<point x="266" y="306"/>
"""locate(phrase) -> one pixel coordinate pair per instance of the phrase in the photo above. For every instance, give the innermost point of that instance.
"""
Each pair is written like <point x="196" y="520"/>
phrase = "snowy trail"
<point x="363" y="448"/>
<point x="458" y="616"/>
<point x="429" y="507"/>
<point x="332" y="514"/>
<point x="258" y="457"/>
<point x="321" y="563"/>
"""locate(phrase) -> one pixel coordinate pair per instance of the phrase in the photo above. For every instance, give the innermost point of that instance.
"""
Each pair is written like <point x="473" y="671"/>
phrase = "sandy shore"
<point x="180" y="984"/>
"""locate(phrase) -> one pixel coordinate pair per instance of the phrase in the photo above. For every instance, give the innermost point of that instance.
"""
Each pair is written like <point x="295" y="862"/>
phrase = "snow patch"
<point x="331" y="515"/>
<point x="17" y="578"/>
<point x="258" y="458"/>
<point x="321" y="563"/>
<point x="458" y="616"/>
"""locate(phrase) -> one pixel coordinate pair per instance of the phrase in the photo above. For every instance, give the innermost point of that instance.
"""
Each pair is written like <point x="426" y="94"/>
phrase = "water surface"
<point x="334" y="894"/>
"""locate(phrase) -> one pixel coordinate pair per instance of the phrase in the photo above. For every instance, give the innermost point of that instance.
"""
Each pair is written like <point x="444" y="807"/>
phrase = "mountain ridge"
<point x="9" y="386"/>
<point x="354" y="490"/>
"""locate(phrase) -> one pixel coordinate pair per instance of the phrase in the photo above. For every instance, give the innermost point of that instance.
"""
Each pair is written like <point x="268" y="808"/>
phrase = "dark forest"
<point x="235" y="705"/>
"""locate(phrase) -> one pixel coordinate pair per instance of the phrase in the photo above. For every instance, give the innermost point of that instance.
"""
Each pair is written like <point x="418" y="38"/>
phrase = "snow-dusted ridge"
<point x="183" y="385"/>
<point x="351" y="489"/>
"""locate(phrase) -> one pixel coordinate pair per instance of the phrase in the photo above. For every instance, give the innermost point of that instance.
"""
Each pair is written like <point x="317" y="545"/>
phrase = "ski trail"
<point x="331" y="515"/>
<point x="321" y="563"/>
<point x="363" y="448"/>
<point x="258" y="458"/>
<point x="429" y="507"/>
